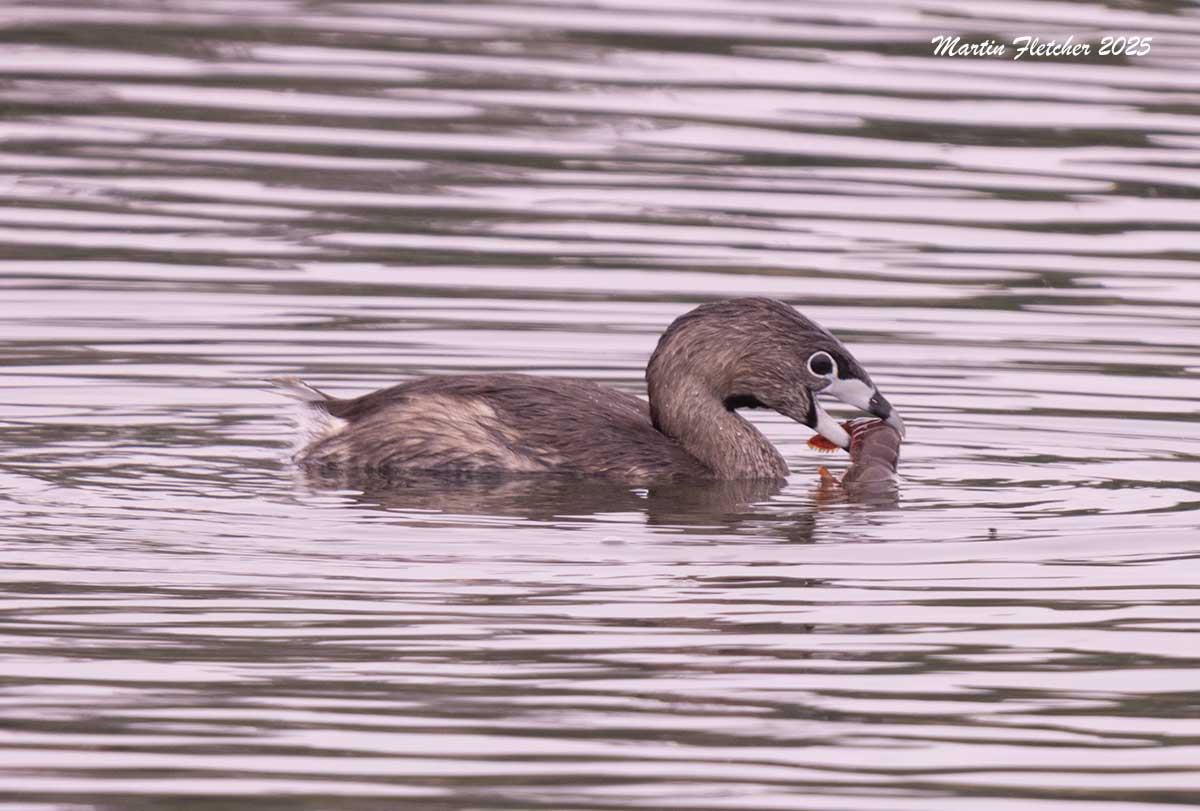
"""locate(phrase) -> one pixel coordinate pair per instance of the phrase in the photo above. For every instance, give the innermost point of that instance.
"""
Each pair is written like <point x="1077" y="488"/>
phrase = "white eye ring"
<point x="823" y="356"/>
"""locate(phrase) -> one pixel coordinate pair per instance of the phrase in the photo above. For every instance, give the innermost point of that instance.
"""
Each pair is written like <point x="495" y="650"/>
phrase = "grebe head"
<point x="762" y="353"/>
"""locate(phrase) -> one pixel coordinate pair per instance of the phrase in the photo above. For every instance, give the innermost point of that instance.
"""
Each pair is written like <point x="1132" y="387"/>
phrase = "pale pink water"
<point x="197" y="196"/>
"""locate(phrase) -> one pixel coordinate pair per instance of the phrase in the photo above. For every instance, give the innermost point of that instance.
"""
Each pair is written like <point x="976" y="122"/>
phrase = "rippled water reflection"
<point x="198" y="196"/>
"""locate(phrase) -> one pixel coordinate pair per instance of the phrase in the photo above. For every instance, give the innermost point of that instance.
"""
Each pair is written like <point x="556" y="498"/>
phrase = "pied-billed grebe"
<point x="741" y="353"/>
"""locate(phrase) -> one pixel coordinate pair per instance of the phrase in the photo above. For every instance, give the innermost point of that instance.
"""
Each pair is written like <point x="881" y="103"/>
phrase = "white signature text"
<point x="1029" y="45"/>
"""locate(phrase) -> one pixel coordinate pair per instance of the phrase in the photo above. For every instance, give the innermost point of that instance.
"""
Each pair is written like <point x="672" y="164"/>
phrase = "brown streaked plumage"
<point x="741" y="353"/>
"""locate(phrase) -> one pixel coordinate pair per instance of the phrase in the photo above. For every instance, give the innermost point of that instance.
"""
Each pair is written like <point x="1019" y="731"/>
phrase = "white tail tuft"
<point x="297" y="389"/>
<point x="311" y="417"/>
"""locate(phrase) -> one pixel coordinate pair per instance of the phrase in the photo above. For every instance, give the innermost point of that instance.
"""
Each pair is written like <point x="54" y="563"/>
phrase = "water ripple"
<point x="197" y="197"/>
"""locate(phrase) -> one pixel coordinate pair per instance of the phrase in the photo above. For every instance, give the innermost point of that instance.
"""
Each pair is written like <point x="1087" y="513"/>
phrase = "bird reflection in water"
<point x="753" y="508"/>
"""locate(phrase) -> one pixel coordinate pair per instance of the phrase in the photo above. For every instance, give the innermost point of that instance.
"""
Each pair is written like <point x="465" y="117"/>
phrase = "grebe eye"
<point x="820" y="364"/>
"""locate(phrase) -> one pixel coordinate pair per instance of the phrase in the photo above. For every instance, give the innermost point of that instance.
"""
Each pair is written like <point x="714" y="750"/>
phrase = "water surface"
<point x="198" y="196"/>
